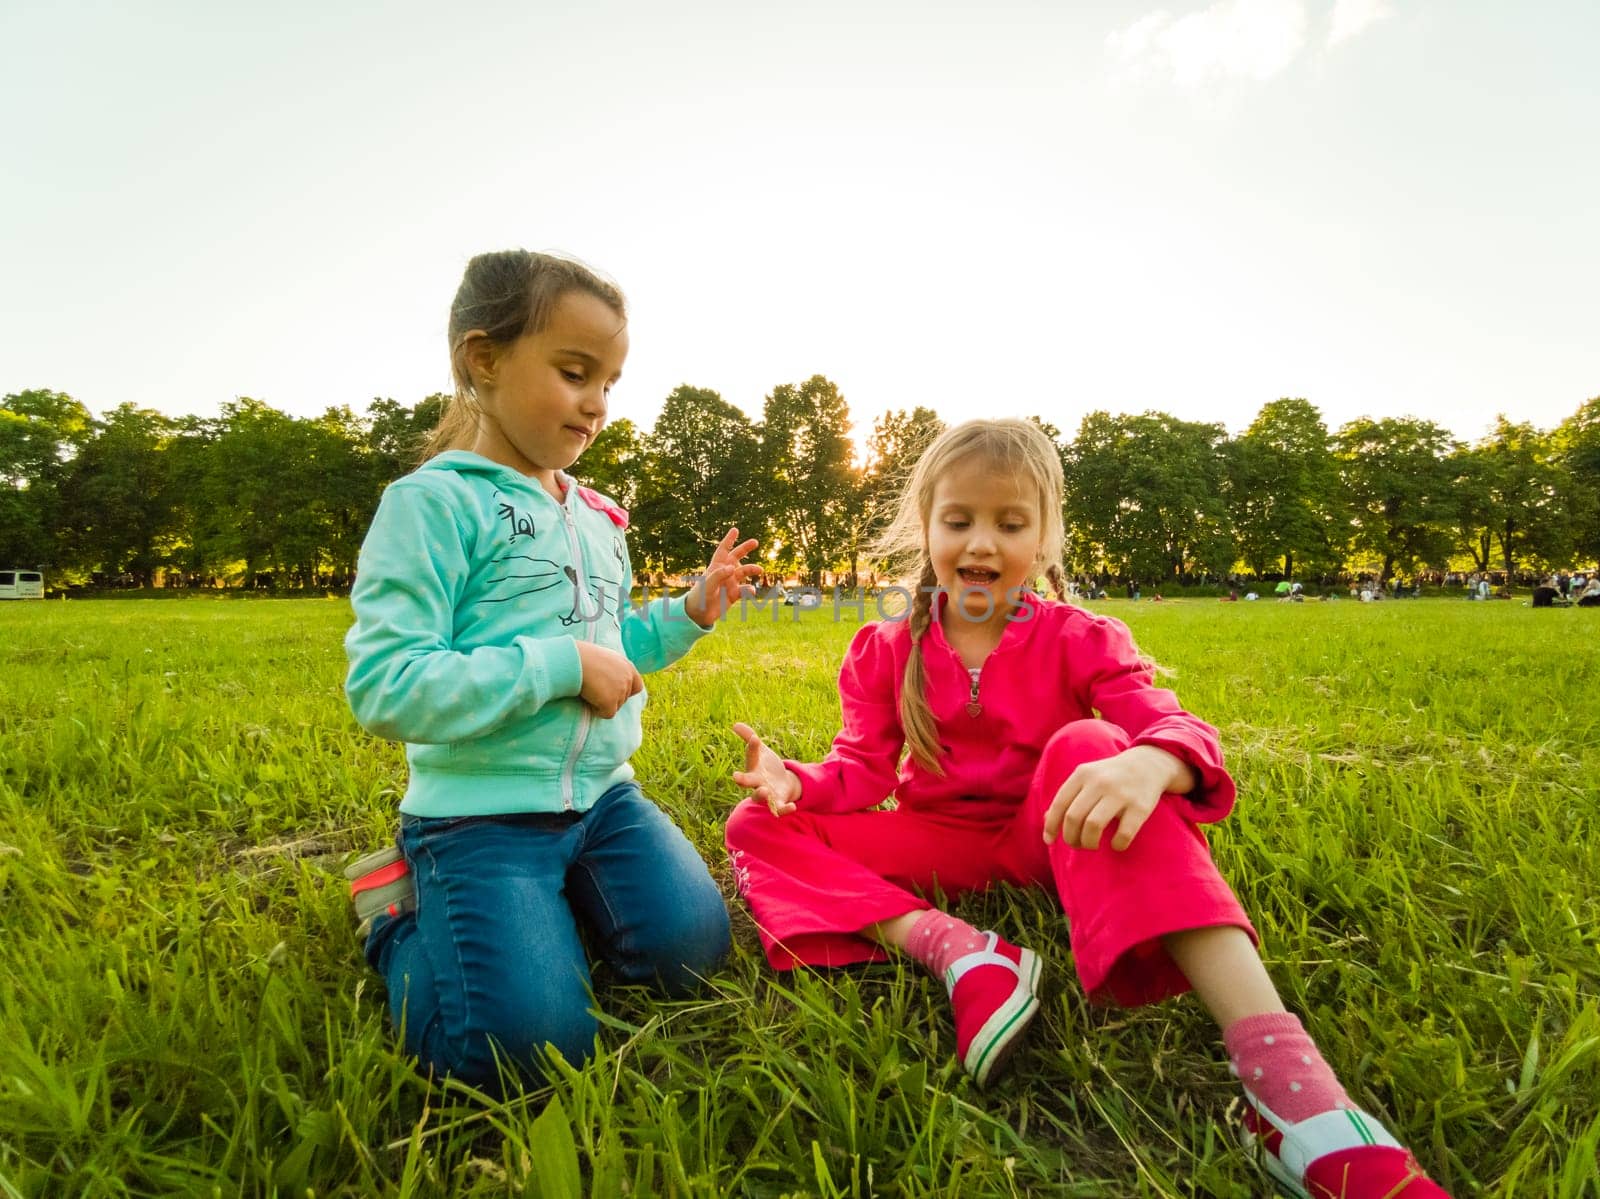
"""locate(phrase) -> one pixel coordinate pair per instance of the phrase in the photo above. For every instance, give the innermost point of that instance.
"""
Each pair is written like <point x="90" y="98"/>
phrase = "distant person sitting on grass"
<point x="1549" y="594"/>
<point x="1590" y="596"/>
<point x="495" y="635"/>
<point x="1010" y="778"/>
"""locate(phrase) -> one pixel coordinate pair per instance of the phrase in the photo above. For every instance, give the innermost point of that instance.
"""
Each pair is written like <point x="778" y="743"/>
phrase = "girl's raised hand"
<point x="765" y="775"/>
<point x="1124" y="789"/>
<point x="718" y="588"/>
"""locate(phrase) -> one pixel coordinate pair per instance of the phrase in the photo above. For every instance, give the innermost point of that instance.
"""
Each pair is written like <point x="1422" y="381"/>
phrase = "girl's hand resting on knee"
<point x="765" y="775"/>
<point x="1124" y="788"/>
<point x="609" y="679"/>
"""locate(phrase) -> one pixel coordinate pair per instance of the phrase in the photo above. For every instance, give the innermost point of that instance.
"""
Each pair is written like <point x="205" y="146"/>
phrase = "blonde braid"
<point x="1058" y="581"/>
<point x="916" y="717"/>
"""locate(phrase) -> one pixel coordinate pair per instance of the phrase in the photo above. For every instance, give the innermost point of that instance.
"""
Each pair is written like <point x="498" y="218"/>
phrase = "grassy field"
<point x="183" y="1009"/>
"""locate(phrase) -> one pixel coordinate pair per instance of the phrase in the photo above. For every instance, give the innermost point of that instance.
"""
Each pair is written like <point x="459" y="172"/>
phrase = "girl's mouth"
<point x="976" y="576"/>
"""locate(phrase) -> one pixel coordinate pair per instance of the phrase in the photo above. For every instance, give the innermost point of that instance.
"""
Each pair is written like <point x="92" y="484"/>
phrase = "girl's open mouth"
<point x="976" y="576"/>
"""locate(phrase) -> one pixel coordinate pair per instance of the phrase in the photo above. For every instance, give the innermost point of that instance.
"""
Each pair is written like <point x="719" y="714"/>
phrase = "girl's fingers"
<point x="728" y="574"/>
<point x="1056" y="813"/>
<point x="1098" y="821"/>
<point x="728" y="549"/>
<point x="726" y="578"/>
<point x="1072" y="828"/>
<point x="1128" y="826"/>
<point x="753" y="750"/>
<point x="730" y="538"/>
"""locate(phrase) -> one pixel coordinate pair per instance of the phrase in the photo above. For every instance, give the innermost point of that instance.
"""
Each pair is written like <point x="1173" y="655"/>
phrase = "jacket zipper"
<point x="584" y="715"/>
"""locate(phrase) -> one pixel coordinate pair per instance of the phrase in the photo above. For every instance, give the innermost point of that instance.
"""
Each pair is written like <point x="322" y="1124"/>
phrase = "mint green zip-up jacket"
<point x="472" y="592"/>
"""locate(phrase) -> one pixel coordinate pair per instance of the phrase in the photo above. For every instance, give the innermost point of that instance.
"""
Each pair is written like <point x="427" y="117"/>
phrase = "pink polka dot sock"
<point x="1278" y="1063"/>
<point x="938" y="939"/>
<point x="1311" y="1136"/>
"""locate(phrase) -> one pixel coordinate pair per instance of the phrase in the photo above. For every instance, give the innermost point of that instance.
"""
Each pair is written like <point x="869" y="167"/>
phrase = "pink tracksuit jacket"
<point x="815" y="878"/>
<point x="1061" y="664"/>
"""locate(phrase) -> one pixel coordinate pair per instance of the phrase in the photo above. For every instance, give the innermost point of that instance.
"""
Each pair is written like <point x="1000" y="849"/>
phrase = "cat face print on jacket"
<point x="525" y="572"/>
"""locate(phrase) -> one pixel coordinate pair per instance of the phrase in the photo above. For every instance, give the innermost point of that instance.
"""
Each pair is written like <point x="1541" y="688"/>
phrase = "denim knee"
<point x="679" y="948"/>
<point x="513" y="1043"/>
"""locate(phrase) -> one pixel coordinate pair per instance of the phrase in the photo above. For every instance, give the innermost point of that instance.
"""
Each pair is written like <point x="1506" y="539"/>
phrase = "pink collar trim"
<point x="619" y="516"/>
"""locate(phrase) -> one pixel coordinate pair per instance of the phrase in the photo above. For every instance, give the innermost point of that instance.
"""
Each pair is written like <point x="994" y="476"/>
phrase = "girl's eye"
<point x="572" y="376"/>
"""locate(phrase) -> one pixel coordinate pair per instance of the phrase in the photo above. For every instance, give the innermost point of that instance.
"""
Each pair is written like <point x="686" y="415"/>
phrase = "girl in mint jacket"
<point x="495" y="636"/>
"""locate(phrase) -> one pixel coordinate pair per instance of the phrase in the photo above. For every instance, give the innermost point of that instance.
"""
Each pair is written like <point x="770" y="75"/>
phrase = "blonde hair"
<point x="505" y="295"/>
<point x="1016" y="449"/>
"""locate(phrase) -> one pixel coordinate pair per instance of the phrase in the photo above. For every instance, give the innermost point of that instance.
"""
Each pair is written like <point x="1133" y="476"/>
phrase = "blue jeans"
<point x="490" y="965"/>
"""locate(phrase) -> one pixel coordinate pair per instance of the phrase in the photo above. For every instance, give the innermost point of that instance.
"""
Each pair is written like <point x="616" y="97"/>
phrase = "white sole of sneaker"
<point x="1274" y="1168"/>
<point x="1305" y="1142"/>
<point x="392" y="898"/>
<point x="1004" y="1031"/>
<point x="375" y="860"/>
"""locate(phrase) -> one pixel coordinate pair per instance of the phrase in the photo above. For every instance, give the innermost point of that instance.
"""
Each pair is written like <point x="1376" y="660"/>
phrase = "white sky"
<point x="1386" y="206"/>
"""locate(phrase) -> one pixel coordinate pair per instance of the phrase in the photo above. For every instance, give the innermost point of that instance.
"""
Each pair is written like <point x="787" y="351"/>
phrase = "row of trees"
<point x="1158" y="498"/>
<point x="255" y="491"/>
<point x="249" y="492"/>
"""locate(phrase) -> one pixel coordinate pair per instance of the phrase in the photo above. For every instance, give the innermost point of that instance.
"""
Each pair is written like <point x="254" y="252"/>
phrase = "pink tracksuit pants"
<point x="812" y="880"/>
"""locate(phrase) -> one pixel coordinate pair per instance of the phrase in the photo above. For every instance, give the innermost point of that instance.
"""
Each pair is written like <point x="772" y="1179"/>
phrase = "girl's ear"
<point x="478" y="358"/>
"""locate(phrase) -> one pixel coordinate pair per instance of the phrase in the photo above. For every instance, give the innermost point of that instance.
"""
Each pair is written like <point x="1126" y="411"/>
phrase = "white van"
<point x="21" y="584"/>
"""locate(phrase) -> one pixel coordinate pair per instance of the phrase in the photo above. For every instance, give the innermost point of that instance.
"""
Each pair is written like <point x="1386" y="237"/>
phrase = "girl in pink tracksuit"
<point x="991" y="694"/>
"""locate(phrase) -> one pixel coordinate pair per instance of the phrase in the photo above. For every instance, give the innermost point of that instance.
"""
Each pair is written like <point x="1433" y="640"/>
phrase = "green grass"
<point x="183" y="1008"/>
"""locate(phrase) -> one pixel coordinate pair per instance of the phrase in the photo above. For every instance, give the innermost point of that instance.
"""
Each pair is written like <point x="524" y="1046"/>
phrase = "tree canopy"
<point x="255" y="494"/>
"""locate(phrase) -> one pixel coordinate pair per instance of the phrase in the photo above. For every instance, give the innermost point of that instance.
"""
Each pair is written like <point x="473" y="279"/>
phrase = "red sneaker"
<point x="381" y="884"/>
<point x="1342" y="1154"/>
<point x="994" y="992"/>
